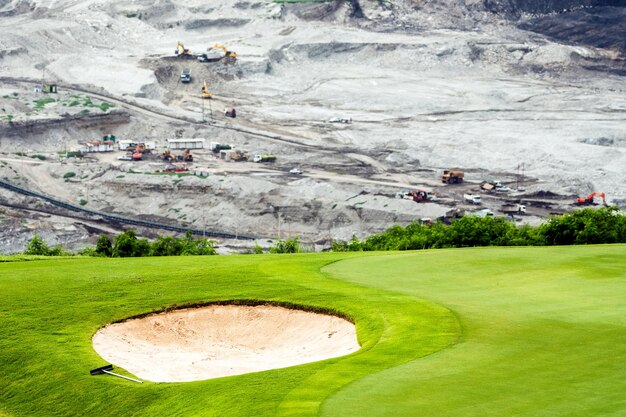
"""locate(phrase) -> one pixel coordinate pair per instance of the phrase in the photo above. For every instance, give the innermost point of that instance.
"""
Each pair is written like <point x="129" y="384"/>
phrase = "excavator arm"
<point x="590" y="197"/>
<point x="205" y="91"/>
<point x="180" y="49"/>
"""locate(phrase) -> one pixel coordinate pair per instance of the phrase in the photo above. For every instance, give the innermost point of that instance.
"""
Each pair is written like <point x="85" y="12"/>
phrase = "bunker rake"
<point x="107" y="370"/>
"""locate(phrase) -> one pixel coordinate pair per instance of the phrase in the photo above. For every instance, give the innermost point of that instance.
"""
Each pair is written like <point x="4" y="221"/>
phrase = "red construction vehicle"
<point x="137" y="156"/>
<point x="589" y="199"/>
<point x="419" y="196"/>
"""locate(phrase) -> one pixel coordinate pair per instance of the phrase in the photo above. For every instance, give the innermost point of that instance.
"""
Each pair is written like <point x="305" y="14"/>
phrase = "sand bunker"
<point x="216" y="341"/>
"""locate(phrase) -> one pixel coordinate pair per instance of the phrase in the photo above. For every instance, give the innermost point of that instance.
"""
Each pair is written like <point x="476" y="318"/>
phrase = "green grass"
<point x="41" y="103"/>
<point x="473" y="332"/>
<point x="544" y="334"/>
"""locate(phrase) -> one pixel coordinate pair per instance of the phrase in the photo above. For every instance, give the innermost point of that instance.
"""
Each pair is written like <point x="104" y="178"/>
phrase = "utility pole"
<point x="278" y="218"/>
<point x="520" y="179"/>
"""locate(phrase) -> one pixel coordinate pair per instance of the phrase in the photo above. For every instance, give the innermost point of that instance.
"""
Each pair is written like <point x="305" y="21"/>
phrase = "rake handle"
<point x="122" y="376"/>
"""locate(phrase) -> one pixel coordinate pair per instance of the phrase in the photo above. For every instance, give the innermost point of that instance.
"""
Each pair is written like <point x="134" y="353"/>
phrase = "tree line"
<point x="587" y="226"/>
<point x="127" y="244"/>
<point x="581" y="227"/>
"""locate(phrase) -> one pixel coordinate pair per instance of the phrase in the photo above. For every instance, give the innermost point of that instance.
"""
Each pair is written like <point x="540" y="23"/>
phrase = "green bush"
<point x="587" y="226"/>
<point x="257" y="249"/>
<point x="104" y="246"/>
<point x="286" y="246"/>
<point x="38" y="246"/>
<point x="69" y="175"/>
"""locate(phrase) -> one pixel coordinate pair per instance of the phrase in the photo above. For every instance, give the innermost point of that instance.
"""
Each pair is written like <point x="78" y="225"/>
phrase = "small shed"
<point x="97" y="146"/>
<point x="50" y="88"/>
<point x="124" y="145"/>
<point x="200" y="172"/>
<point x="185" y="143"/>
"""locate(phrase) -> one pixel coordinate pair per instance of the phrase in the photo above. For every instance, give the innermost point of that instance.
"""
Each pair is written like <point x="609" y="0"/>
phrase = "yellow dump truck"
<point x="452" y="176"/>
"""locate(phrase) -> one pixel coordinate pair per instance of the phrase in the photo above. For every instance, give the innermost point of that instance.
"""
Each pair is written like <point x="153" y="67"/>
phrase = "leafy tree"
<point x="38" y="246"/>
<point x="588" y="226"/>
<point x="166" y="246"/>
<point x="286" y="246"/>
<point x="205" y="247"/>
<point x="104" y="246"/>
<point x="142" y="248"/>
<point x="124" y="245"/>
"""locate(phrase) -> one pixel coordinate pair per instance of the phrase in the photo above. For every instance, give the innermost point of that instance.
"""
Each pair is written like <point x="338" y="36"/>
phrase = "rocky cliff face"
<point x="515" y="8"/>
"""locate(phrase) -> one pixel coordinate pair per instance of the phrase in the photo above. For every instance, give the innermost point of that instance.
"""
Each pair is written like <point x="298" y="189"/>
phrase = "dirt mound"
<point x="216" y="341"/>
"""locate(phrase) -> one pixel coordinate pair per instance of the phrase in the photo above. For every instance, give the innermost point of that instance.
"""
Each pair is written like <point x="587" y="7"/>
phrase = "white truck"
<point x="513" y="209"/>
<point x="472" y="198"/>
<point x="264" y="158"/>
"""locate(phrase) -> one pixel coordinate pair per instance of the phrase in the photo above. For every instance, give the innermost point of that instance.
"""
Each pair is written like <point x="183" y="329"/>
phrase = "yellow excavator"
<point x="205" y="91"/>
<point x="182" y="52"/>
<point x="230" y="57"/>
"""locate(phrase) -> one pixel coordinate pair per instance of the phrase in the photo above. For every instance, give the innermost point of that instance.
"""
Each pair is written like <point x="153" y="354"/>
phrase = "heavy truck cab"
<point x="185" y="76"/>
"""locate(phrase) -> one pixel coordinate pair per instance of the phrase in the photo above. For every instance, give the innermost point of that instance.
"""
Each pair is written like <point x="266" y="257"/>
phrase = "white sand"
<point x="216" y="341"/>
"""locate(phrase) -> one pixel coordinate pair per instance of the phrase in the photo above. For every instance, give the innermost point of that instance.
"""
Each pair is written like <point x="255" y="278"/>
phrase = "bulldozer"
<point x="205" y="91"/>
<point x="589" y="200"/>
<point x="187" y="156"/>
<point x="182" y="52"/>
<point x="167" y="156"/>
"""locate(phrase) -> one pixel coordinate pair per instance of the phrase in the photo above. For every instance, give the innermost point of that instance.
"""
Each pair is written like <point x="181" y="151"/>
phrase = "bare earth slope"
<point x="497" y="88"/>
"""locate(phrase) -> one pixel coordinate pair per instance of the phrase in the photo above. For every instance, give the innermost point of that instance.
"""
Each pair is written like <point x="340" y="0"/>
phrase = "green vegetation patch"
<point x="41" y="103"/>
<point x="544" y="333"/>
<point x="453" y="332"/>
<point x="51" y="309"/>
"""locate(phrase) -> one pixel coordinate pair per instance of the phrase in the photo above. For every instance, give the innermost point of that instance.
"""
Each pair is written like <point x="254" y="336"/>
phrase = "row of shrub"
<point x="127" y="244"/>
<point x="587" y="226"/>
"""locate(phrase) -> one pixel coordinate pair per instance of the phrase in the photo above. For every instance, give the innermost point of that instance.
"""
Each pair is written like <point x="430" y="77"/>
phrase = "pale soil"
<point x="217" y="341"/>
<point x="428" y="85"/>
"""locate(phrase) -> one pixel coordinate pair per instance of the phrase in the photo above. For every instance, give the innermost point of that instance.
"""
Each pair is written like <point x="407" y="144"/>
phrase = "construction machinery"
<point x="512" y="209"/>
<point x="230" y="112"/>
<point x="452" y="176"/>
<point x="472" y="198"/>
<point x="138" y="155"/>
<point x="239" y="155"/>
<point x="229" y="57"/>
<point x="185" y="76"/>
<point x="419" y="196"/>
<point x="205" y="91"/>
<point x="167" y="156"/>
<point x="187" y="156"/>
<point x="589" y="200"/>
<point x="182" y="52"/>
<point x="264" y="158"/>
<point x="217" y="147"/>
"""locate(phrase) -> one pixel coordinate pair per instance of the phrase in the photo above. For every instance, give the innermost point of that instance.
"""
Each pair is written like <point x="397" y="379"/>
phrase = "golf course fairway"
<point x="459" y="332"/>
